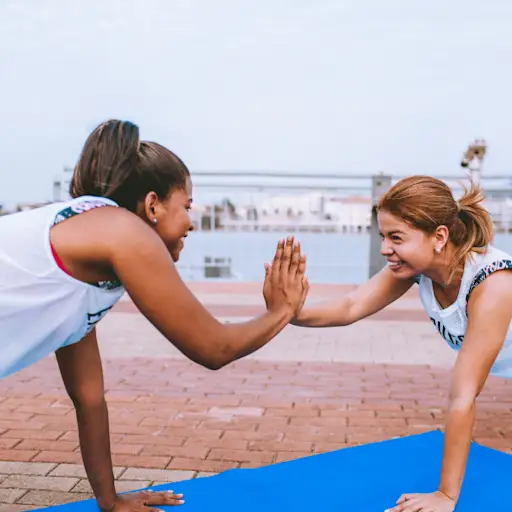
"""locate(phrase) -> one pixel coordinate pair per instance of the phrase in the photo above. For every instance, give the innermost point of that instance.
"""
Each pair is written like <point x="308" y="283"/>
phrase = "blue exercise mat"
<point x="367" y="478"/>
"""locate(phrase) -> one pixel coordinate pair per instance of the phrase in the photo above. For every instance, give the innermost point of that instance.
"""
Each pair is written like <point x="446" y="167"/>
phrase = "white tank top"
<point x="451" y="322"/>
<point x="42" y="308"/>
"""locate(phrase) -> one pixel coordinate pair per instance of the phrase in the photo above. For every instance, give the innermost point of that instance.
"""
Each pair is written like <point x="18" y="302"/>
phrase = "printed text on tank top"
<point x="483" y="273"/>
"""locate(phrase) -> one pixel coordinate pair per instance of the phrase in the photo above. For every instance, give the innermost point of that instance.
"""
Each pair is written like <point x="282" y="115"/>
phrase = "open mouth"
<point x="395" y="265"/>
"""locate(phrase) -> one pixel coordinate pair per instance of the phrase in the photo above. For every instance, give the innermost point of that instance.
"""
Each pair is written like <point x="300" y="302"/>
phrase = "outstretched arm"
<point x="117" y="240"/>
<point x="369" y="298"/>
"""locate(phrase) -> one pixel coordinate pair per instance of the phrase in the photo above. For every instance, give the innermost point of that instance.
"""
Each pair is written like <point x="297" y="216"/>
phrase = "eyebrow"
<point x="393" y="232"/>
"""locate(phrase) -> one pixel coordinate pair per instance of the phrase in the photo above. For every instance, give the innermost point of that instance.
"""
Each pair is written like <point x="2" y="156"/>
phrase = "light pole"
<point x="473" y="158"/>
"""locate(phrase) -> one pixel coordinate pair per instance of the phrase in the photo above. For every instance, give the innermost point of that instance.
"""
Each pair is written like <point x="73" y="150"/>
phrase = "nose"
<point x="385" y="248"/>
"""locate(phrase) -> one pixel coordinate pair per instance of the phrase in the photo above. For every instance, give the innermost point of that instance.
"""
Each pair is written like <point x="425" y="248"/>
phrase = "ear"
<point x="441" y="237"/>
<point x="151" y="203"/>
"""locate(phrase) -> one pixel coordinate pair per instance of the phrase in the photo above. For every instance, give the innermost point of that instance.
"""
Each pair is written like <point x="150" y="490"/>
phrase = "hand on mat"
<point x="285" y="284"/>
<point x="434" y="502"/>
<point x="142" y="501"/>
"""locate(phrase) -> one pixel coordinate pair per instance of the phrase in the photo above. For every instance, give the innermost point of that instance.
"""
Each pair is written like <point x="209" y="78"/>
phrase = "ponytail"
<point x="115" y="164"/>
<point x="473" y="229"/>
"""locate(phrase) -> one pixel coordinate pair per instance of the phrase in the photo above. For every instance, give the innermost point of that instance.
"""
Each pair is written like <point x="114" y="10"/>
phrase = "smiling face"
<point x="409" y="251"/>
<point x="172" y="216"/>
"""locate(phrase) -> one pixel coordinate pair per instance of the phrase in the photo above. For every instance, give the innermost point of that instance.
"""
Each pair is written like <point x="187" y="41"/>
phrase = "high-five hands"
<point x="286" y="285"/>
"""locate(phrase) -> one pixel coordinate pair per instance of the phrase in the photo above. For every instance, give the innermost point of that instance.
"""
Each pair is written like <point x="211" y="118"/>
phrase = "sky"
<point x="344" y="86"/>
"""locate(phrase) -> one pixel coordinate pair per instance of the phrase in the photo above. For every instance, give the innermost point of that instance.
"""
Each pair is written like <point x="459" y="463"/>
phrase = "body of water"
<point x="331" y="257"/>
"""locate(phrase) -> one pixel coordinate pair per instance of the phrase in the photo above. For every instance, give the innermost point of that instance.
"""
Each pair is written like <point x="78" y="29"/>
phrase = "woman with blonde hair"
<point x="444" y="246"/>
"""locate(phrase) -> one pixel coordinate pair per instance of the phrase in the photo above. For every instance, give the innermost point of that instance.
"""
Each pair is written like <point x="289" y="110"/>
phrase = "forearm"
<point x="327" y="314"/>
<point x="93" y="430"/>
<point x="244" y="338"/>
<point x="458" y="433"/>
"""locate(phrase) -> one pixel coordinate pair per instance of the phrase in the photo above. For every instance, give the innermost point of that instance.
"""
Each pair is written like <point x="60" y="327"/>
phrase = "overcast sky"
<point x="352" y="86"/>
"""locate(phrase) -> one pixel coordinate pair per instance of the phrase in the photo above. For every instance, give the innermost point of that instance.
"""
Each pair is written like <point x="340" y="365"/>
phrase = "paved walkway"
<point x="308" y="391"/>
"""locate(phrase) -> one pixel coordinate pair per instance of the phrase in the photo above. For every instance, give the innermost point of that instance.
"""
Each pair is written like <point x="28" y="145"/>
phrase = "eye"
<point x="396" y="238"/>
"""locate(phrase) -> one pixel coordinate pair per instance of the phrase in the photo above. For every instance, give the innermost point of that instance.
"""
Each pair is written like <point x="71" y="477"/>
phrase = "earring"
<point x="437" y="250"/>
<point x="155" y="220"/>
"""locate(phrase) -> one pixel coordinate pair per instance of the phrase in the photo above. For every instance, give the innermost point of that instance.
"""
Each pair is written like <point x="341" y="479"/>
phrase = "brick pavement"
<point x="308" y="391"/>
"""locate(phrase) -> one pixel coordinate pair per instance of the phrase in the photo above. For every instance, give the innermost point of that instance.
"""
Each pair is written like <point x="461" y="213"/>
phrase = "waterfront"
<point x="332" y="257"/>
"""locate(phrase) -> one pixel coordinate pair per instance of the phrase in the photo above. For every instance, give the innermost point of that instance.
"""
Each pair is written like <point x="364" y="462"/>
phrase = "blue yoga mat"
<point x="367" y="478"/>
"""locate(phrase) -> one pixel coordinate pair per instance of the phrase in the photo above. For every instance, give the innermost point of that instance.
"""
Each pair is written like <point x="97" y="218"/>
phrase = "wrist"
<point x="283" y="314"/>
<point x="106" y="504"/>
<point x="449" y="493"/>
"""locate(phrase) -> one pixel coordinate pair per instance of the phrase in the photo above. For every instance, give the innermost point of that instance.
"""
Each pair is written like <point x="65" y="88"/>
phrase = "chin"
<point x="175" y="255"/>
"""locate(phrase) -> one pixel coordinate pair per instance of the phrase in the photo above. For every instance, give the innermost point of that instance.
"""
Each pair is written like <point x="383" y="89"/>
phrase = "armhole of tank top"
<point x="75" y="208"/>
<point x="486" y="271"/>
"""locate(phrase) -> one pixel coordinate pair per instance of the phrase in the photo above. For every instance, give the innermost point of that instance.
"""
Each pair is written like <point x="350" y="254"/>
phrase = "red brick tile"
<point x="50" y="435"/>
<point x="230" y="444"/>
<point x="241" y="455"/>
<point x="159" y="440"/>
<point x="6" y="443"/>
<point x="200" y="433"/>
<point x="292" y="412"/>
<point x="285" y="445"/>
<point x="126" y="449"/>
<point x="287" y="456"/>
<point x="42" y="444"/>
<point x="193" y="452"/>
<point x="18" y="455"/>
<point x="58" y="457"/>
<point x="26" y="425"/>
<point x="213" y="466"/>
<point x="259" y="435"/>
<point x="140" y="461"/>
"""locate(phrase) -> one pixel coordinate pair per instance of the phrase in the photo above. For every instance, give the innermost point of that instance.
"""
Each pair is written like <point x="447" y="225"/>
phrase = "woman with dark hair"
<point x="65" y="265"/>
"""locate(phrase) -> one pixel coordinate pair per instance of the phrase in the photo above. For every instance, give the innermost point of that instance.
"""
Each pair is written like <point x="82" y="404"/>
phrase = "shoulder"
<point x="102" y="233"/>
<point x="495" y="290"/>
<point x="482" y="266"/>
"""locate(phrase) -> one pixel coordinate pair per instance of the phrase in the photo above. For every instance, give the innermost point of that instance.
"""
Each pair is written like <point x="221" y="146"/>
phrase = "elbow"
<point x="462" y="404"/>
<point x="213" y="364"/>
<point x="221" y="352"/>
<point x="86" y="403"/>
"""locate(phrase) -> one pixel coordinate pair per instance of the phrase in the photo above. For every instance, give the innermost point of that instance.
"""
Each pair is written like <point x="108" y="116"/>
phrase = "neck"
<point x="439" y="272"/>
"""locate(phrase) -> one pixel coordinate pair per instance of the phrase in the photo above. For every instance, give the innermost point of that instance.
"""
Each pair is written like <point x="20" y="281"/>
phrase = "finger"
<point x="294" y="265"/>
<point x="163" y="498"/>
<point x="276" y="265"/>
<point x="268" y="270"/>
<point x="301" y="270"/>
<point x="287" y="255"/>
<point x="305" y="289"/>
<point x="403" y="498"/>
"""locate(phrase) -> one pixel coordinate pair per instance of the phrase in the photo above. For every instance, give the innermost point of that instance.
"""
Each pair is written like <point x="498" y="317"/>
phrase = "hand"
<point x="433" y="502"/>
<point x="285" y="284"/>
<point x="142" y="501"/>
